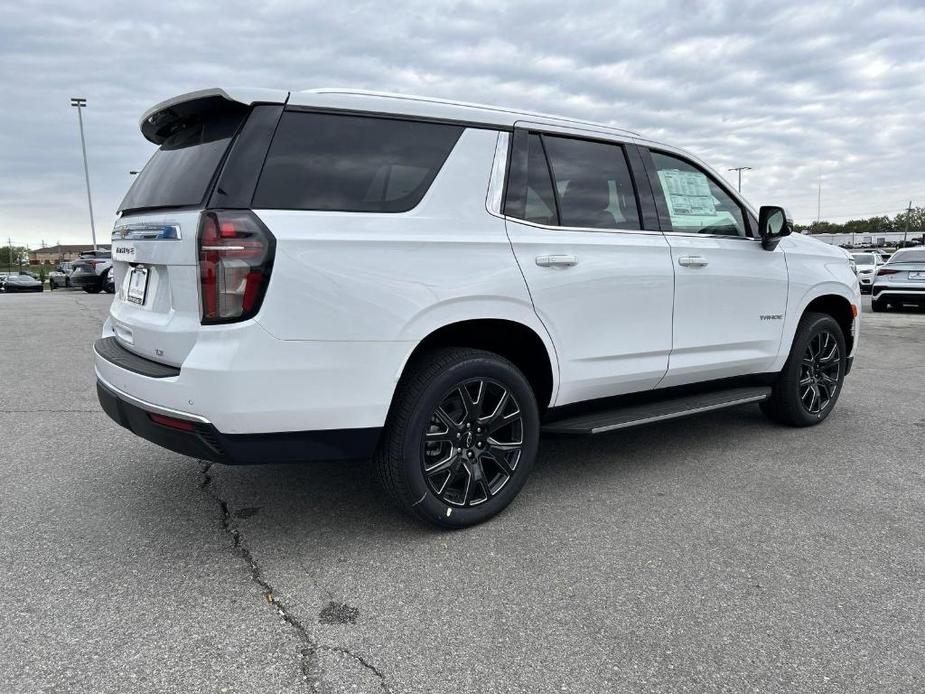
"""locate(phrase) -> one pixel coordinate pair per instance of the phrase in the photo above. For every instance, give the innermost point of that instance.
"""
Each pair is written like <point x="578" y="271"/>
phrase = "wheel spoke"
<point x="447" y="421"/>
<point x="473" y="442"/>
<point x="441" y="465"/>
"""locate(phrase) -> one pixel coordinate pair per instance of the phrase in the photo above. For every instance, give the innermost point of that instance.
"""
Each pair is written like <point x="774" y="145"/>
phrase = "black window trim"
<point x="517" y="150"/>
<point x="399" y="116"/>
<point x="661" y="203"/>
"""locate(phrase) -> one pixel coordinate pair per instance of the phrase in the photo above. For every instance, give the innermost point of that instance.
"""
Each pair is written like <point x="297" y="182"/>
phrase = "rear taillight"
<point x="886" y="271"/>
<point x="235" y="259"/>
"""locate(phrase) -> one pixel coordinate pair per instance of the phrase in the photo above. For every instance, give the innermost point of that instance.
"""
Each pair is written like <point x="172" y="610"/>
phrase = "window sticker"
<point x="688" y="193"/>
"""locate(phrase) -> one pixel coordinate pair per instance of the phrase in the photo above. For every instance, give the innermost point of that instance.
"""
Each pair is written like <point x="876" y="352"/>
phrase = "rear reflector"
<point x="235" y="260"/>
<point x="171" y="422"/>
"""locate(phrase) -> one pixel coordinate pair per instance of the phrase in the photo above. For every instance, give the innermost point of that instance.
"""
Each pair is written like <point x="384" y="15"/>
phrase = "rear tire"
<point x="92" y="290"/>
<point x="808" y="386"/>
<point x="460" y="439"/>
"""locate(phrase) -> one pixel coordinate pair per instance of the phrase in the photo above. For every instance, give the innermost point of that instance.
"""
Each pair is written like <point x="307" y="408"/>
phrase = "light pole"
<point x="740" y="169"/>
<point x="80" y="104"/>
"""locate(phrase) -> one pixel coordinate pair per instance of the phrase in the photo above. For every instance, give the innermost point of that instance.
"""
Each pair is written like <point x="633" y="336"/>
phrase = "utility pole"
<point x="80" y="104"/>
<point x="906" y="232"/>
<point x="9" y="255"/>
<point x="819" y="199"/>
<point x="740" y="169"/>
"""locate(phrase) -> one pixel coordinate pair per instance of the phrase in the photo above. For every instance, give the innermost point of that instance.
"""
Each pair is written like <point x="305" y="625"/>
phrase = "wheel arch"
<point x="521" y="344"/>
<point x="840" y="308"/>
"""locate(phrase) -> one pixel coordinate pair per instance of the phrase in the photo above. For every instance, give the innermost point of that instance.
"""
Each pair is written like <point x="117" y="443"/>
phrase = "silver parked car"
<point x="901" y="280"/>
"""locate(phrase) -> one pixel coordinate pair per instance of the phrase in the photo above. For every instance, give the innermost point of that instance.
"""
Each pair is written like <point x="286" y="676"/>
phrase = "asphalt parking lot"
<point x="716" y="553"/>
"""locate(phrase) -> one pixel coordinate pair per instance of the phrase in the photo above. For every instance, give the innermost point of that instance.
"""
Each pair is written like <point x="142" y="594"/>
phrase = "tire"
<point x="877" y="306"/>
<point x="809" y="373"/>
<point x="93" y="289"/>
<point x="482" y="477"/>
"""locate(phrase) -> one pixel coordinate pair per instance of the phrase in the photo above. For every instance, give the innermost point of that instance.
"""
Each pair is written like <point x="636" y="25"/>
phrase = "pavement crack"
<point x="308" y="653"/>
<point x="361" y="660"/>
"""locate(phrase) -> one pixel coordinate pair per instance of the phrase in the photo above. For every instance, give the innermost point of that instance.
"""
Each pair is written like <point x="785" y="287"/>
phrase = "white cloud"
<point x="790" y="89"/>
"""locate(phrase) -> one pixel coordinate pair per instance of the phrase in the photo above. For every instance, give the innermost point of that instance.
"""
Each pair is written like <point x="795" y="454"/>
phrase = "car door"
<point x="600" y="282"/>
<point x="730" y="294"/>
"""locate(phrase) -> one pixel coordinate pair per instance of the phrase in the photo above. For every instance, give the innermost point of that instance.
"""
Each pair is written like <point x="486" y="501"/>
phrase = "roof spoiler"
<point x="160" y="121"/>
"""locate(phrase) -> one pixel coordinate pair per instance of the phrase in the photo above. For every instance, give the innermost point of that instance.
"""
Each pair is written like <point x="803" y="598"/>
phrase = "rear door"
<point x="730" y="293"/>
<point x="600" y="281"/>
<point x="156" y="311"/>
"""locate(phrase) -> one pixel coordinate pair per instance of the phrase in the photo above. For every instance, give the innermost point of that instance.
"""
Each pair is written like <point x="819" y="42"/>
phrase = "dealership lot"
<point x="718" y="552"/>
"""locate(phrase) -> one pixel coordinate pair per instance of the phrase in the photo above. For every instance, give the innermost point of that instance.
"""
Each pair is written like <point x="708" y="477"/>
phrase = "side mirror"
<point x="773" y="224"/>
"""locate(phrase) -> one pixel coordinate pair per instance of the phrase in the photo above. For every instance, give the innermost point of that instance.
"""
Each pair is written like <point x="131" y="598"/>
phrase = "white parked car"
<point x="866" y="264"/>
<point x="339" y="274"/>
<point x="900" y="281"/>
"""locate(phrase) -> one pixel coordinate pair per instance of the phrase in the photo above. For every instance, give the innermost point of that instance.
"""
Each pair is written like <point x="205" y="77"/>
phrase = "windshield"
<point x="916" y="256"/>
<point x="863" y="258"/>
<point x="179" y="173"/>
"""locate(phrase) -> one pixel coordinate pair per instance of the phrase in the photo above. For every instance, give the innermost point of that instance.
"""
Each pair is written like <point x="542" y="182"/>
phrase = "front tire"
<point x="808" y="386"/>
<point x="460" y="439"/>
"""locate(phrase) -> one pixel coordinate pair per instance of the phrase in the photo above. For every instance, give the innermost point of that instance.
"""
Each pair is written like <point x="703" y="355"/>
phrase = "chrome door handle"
<point x="556" y="260"/>
<point x="692" y="261"/>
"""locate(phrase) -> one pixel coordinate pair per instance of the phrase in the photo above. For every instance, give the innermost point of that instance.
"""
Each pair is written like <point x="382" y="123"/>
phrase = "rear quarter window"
<point x="181" y="170"/>
<point x="324" y="161"/>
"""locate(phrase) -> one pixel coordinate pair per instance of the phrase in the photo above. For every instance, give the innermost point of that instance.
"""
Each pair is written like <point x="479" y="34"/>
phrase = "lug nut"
<point x="468" y="425"/>
<point x="469" y="454"/>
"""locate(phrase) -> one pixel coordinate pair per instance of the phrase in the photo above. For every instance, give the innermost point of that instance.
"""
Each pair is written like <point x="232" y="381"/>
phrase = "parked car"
<point x="59" y="278"/>
<point x="337" y="275"/>
<point x="866" y="265"/>
<point x="900" y="281"/>
<point x="20" y="283"/>
<point x="92" y="272"/>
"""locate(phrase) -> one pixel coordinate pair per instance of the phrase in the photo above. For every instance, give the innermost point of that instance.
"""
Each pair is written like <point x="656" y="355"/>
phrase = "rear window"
<point x="322" y="161"/>
<point x="907" y="257"/>
<point x="182" y="168"/>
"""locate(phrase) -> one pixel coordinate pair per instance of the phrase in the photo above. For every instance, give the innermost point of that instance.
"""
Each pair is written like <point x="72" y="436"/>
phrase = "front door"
<point x="730" y="293"/>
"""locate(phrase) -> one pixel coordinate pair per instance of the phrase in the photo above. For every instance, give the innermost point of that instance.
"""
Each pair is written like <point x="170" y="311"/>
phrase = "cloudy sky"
<point x="792" y="89"/>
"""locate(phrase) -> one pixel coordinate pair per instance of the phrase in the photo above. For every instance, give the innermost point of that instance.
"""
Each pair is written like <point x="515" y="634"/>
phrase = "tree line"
<point x="871" y="225"/>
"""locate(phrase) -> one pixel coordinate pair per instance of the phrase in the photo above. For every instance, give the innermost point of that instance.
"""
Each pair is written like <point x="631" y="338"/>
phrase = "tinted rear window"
<point x="182" y="168"/>
<point x="908" y="257"/>
<point x="322" y="161"/>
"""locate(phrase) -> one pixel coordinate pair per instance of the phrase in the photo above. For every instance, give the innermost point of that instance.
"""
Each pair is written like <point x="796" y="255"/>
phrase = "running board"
<point x="635" y="415"/>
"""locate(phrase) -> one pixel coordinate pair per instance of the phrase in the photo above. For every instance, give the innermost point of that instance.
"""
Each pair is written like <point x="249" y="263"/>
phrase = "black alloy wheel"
<point x="461" y="437"/>
<point x="807" y="388"/>
<point x="473" y="442"/>
<point x="819" y="372"/>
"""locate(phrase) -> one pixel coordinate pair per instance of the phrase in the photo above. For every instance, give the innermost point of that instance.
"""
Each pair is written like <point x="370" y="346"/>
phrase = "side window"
<point x="323" y="161"/>
<point x="540" y="201"/>
<point x="696" y="203"/>
<point x="593" y="184"/>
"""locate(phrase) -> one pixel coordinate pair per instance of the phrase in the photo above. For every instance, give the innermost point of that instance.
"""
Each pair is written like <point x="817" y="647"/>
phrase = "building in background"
<point x="52" y="255"/>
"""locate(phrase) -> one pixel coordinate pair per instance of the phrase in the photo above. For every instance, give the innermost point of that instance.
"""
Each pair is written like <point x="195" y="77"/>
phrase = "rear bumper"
<point x="202" y="440"/>
<point x="909" y="294"/>
<point x="88" y="280"/>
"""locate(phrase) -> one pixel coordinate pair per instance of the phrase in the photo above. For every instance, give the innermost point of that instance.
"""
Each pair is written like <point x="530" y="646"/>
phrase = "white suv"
<point x="335" y="274"/>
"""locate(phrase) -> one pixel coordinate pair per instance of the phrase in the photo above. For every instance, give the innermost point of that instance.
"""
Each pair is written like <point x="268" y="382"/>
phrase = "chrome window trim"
<point x="695" y="235"/>
<point x="498" y="172"/>
<point x="598" y="230"/>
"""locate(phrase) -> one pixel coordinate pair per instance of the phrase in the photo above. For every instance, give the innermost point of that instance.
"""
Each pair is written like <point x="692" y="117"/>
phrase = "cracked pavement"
<point x="717" y="553"/>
